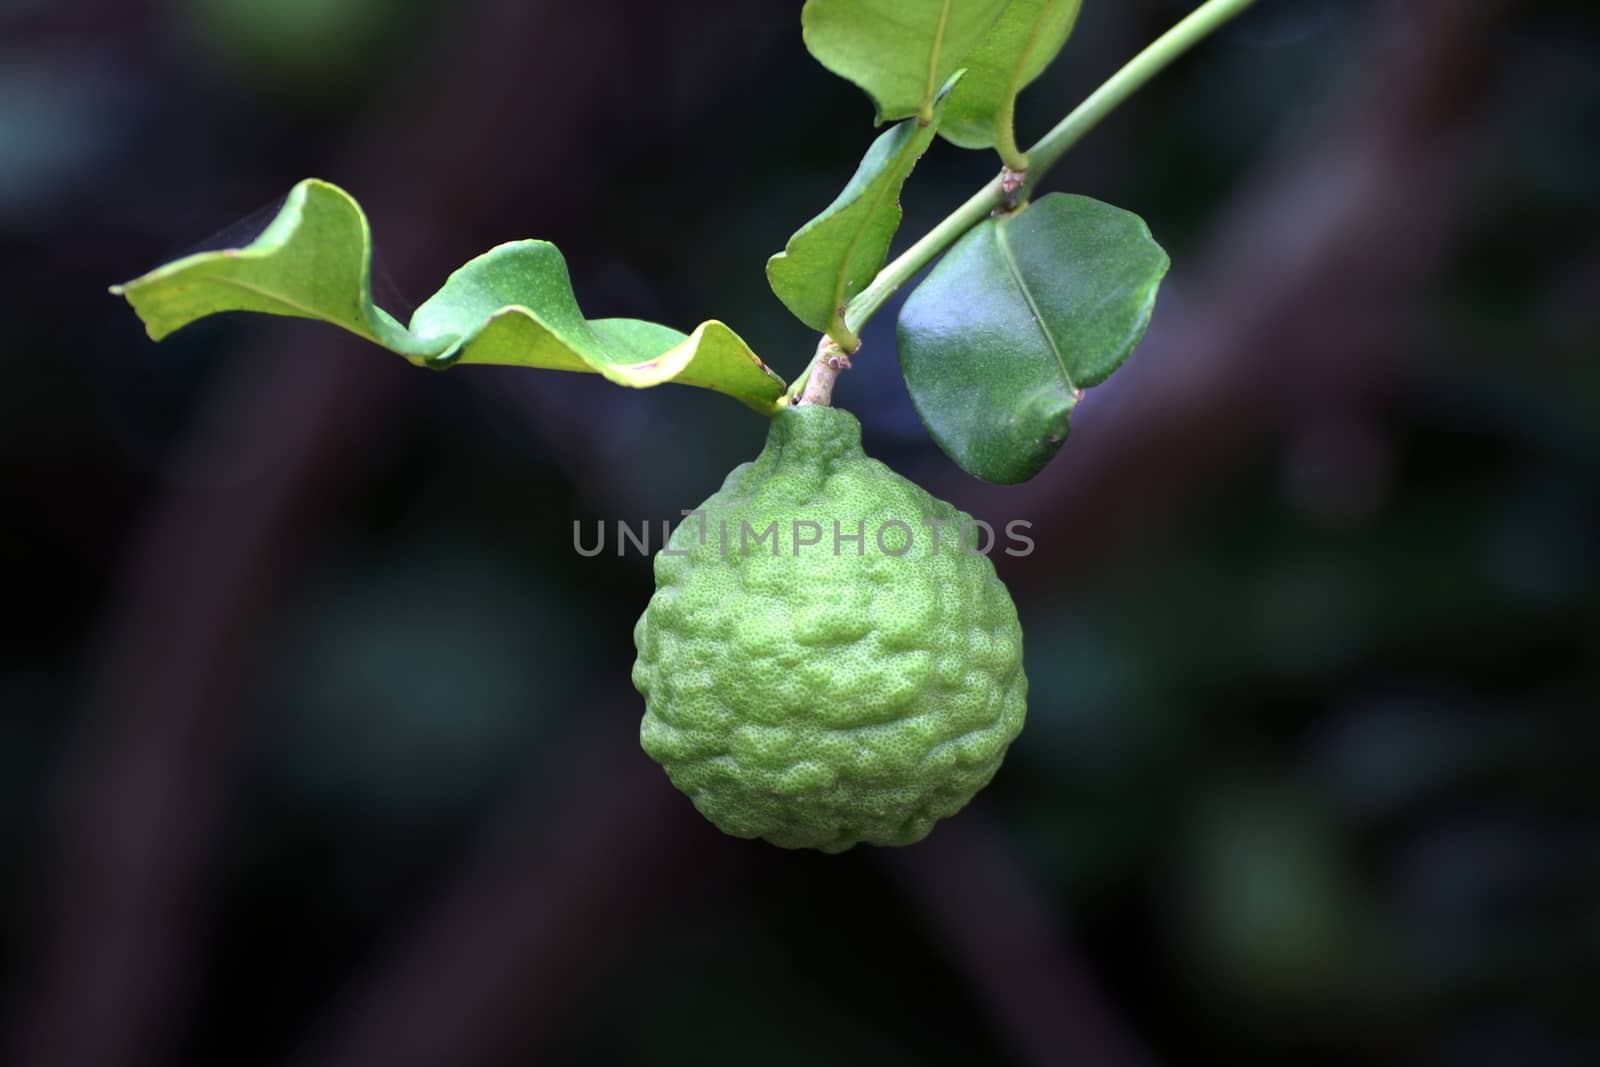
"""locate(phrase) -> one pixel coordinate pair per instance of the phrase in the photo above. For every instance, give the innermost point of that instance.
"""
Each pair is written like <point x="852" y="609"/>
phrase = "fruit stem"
<point x="815" y="386"/>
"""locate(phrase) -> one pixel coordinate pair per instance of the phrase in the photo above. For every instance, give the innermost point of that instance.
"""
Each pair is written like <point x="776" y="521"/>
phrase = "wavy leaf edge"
<point x="174" y="295"/>
<point x="871" y="198"/>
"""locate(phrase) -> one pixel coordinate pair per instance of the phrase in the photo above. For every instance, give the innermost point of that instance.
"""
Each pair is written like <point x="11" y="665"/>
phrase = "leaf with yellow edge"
<point x="513" y="305"/>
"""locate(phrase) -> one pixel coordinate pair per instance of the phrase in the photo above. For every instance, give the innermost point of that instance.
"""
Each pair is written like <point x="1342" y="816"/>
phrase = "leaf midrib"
<point x="310" y="312"/>
<point x="883" y="181"/>
<point x="1033" y="305"/>
<point x="931" y="86"/>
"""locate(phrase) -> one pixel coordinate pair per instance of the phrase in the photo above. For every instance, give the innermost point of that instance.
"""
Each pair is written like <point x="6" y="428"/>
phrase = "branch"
<point x="1010" y="186"/>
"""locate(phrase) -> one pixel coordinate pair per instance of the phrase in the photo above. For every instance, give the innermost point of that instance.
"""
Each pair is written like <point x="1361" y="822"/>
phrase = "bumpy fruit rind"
<point x="816" y="690"/>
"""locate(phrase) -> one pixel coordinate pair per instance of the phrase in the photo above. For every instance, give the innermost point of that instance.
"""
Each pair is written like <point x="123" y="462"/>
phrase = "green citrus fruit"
<point x="815" y="671"/>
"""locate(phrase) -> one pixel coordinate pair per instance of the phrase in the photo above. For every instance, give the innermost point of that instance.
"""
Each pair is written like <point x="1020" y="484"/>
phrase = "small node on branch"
<point x="1011" y="182"/>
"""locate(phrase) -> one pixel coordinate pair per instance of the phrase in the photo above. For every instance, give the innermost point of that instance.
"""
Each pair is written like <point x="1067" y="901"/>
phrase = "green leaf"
<point x="313" y="262"/>
<point x="1022" y="44"/>
<point x="834" y="256"/>
<point x="899" y="51"/>
<point x="513" y="305"/>
<point x="1020" y="316"/>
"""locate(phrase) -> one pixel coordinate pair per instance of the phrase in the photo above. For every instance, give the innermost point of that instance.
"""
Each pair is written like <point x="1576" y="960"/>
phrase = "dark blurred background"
<point x="317" y="742"/>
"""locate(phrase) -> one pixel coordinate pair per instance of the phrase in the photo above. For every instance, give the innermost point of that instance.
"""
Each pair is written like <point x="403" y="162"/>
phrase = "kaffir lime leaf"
<point x="816" y="670"/>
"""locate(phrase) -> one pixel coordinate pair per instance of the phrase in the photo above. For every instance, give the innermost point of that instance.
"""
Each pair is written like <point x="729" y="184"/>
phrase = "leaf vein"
<point x="842" y="279"/>
<point x="1033" y="305"/>
<point x="309" y="312"/>
<point x="931" y="85"/>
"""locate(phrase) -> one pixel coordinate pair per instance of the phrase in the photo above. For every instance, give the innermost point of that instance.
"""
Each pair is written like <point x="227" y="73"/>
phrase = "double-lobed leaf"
<point x="834" y="256"/>
<point x="512" y="306"/>
<point x="1021" y="315"/>
<point x="1021" y="45"/>
<point x="900" y="51"/>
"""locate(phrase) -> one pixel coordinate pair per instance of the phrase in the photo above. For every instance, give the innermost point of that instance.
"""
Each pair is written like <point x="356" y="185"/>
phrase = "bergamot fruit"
<point x="825" y="661"/>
